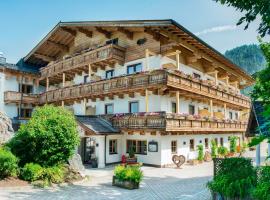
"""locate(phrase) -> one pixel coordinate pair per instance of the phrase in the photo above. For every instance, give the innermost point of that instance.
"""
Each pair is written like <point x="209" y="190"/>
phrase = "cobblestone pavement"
<point x="187" y="183"/>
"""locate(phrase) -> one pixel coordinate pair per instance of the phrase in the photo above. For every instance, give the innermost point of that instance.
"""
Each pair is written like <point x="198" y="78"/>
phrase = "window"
<point x="216" y="141"/>
<point x="221" y="141"/>
<point x="131" y="69"/>
<point x="195" y="75"/>
<point x="236" y="116"/>
<point x="206" y="143"/>
<point x="26" y="89"/>
<point x="25" y="113"/>
<point x="85" y="78"/>
<point x="191" y="145"/>
<point x="138" y="146"/>
<point x="230" y="115"/>
<point x="109" y="108"/>
<point x="113" y="146"/>
<point x="174" y="146"/>
<point x="173" y="107"/>
<point x="109" y="74"/>
<point x="134" y="107"/>
<point x="191" y="109"/>
<point x="112" y="41"/>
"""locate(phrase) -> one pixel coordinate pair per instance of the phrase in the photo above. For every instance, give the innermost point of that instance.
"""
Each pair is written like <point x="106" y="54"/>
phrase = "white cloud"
<point x="217" y="29"/>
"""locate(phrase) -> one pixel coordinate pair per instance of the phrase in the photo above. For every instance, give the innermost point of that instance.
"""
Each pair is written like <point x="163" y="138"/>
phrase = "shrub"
<point x="235" y="179"/>
<point x="54" y="174"/>
<point x="213" y="149"/>
<point x="32" y="172"/>
<point x="262" y="190"/>
<point x="200" y="152"/>
<point x="222" y="151"/>
<point x="49" y="137"/>
<point x="233" y="146"/>
<point x="8" y="164"/>
<point x="130" y="173"/>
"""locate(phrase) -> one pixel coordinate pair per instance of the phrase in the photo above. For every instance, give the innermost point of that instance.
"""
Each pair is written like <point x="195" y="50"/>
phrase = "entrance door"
<point x="89" y="150"/>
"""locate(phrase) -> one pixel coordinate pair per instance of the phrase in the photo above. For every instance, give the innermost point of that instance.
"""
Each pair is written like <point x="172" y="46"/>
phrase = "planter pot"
<point x="125" y="184"/>
<point x="194" y="162"/>
<point x="131" y="160"/>
<point x="94" y="163"/>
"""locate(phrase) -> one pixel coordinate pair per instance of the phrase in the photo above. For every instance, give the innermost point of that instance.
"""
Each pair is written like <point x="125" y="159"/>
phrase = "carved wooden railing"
<point x="106" y="87"/>
<point x="107" y="52"/>
<point x="169" y="122"/>
<point x="17" y="97"/>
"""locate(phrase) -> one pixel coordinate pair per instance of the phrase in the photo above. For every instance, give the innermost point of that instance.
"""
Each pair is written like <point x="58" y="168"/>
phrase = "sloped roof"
<point x="19" y="68"/>
<point x="63" y="33"/>
<point x="97" y="125"/>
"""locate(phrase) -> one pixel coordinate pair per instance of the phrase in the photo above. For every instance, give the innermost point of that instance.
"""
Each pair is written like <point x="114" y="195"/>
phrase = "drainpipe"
<point x="105" y="144"/>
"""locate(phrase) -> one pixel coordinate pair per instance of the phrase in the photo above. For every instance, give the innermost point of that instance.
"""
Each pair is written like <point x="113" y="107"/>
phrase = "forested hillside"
<point x="248" y="57"/>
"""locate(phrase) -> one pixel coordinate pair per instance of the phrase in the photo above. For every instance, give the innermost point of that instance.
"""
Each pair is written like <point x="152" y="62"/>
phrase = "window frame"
<point x="134" y="67"/>
<point x="23" y="88"/>
<point x="196" y="75"/>
<point x="193" y="106"/>
<point x="129" y="106"/>
<point x="206" y="141"/>
<point x="113" y="146"/>
<point x="174" y="146"/>
<point x="106" y="106"/>
<point x="173" y="107"/>
<point x="230" y="115"/>
<point x="85" y="77"/>
<point x="221" y="141"/>
<point x="192" y="148"/>
<point x="138" y="148"/>
<point x="109" y="71"/>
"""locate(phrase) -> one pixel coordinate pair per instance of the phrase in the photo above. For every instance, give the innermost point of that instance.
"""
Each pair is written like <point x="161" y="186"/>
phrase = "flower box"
<point x="131" y="160"/>
<point x="125" y="184"/>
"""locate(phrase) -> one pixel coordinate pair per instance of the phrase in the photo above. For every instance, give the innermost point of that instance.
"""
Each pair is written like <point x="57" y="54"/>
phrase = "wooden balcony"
<point x="106" y="55"/>
<point x="157" y="79"/>
<point x="18" y="97"/>
<point x="173" y="123"/>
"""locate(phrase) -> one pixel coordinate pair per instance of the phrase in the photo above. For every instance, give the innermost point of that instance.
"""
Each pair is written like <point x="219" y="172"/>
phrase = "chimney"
<point x="2" y="58"/>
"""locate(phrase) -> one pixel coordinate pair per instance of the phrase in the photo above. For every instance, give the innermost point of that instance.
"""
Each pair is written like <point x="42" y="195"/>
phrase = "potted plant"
<point x="200" y="153"/>
<point x="222" y="151"/>
<point x="233" y="146"/>
<point x="128" y="177"/>
<point x="131" y="159"/>
<point x="213" y="149"/>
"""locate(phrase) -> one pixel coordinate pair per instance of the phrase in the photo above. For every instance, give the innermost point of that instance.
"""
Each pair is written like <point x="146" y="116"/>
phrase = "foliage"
<point x="235" y="179"/>
<point x="200" y="152"/>
<point x="233" y="146"/>
<point x="222" y="151"/>
<point x="54" y="174"/>
<point x="131" y="152"/>
<point x="213" y="148"/>
<point x="8" y="164"/>
<point x="253" y="9"/>
<point x="49" y="138"/>
<point x="129" y="173"/>
<point x="262" y="190"/>
<point x="32" y="172"/>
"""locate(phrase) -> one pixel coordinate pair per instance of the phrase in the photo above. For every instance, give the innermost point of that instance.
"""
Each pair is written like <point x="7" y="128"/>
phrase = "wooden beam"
<point x="146" y="101"/>
<point x="44" y="57"/>
<point x="107" y="34"/>
<point x="177" y="102"/>
<point x="85" y="31"/>
<point x="128" y="33"/>
<point x="69" y="31"/>
<point x="62" y="47"/>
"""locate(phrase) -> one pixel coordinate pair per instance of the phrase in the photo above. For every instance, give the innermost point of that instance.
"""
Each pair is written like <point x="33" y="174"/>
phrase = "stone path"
<point x="187" y="183"/>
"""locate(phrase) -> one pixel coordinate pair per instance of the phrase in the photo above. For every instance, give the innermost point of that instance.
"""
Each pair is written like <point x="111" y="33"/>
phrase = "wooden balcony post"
<point x="178" y="59"/>
<point x="84" y="105"/>
<point x="211" y="108"/>
<point x="64" y="79"/>
<point x="147" y="59"/>
<point x="177" y="102"/>
<point x="216" y="77"/>
<point x="47" y="84"/>
<point x="146" y="101"/>
<point x="225" y="111"/>
<point x="89" y="71"/>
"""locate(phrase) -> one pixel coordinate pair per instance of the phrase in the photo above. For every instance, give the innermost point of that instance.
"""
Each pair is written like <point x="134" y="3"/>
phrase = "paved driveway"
<point x="159" y="183"/>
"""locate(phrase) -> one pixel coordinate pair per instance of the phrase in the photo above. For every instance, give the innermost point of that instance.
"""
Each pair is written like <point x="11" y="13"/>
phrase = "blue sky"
<point x="25" y="22"/>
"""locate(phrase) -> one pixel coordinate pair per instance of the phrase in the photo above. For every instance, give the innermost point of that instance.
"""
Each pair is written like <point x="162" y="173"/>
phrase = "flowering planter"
<point x="131" y="160"/>
<point x="125" y="184"/>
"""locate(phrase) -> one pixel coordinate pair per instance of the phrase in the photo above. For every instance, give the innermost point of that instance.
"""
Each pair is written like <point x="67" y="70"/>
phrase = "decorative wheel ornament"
<point x="178" y="160"/>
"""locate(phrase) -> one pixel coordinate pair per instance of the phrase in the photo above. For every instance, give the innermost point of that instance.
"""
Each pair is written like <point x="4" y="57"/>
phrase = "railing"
<point x="106" y="87"/>
<point x="17" y="97"/>
<point x="169" y="122"/>
<point x="156" y="78"/>
<point x="184" y="82"/>
<point x="94" y="56"/>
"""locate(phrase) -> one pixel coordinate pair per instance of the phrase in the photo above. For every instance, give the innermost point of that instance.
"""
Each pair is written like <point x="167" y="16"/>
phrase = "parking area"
<point x="186" y="183"/>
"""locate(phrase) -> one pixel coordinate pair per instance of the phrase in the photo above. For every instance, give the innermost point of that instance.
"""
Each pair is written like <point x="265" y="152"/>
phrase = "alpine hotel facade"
<point x="150" y="85"/>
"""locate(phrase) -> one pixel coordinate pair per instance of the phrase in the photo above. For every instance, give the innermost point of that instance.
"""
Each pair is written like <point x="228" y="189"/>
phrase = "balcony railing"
<point x="173" y="122"/>
<point x="105" y="53"/>
<point x="18" y="97"/>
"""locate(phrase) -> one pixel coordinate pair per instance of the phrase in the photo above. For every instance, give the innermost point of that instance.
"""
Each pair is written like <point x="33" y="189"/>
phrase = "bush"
<point x="233" y="146"/>
<point x="54" y="174"/>
<point x="235" y="179"/>
<point x="262" y="190"/>
<point x="200" y="152"/>
<point x="130" y="173"/>
<point x="32" y="172"/>
<point x="213" y="149"/>
<point x="222" y="151"/>
<point x="49" y="137"/>
<point x="8" y="164"/>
